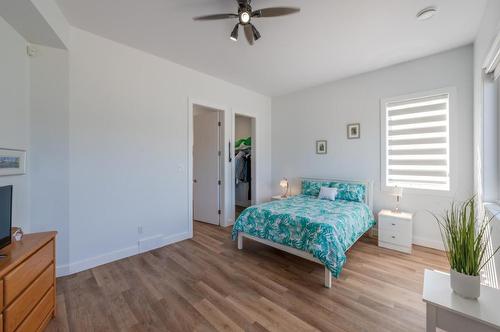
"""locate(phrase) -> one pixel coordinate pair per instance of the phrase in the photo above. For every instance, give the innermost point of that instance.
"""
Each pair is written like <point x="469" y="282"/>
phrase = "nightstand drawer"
<point x="397" y="238"/>
<point x="394" y="224"/>
<point x="395" y="230"/>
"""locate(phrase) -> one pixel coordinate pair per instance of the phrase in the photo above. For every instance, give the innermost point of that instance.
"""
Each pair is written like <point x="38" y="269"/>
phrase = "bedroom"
<point x="97" y="98"/>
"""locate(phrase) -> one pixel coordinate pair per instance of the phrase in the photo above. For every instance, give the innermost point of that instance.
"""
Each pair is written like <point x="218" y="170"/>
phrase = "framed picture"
<point x="353" y="131"/>
<point x="321" y="147"/>
<point x="12" y="162"/>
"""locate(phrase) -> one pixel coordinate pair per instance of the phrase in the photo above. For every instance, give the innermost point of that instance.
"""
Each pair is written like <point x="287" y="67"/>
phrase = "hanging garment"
<point x="239" y="166"/>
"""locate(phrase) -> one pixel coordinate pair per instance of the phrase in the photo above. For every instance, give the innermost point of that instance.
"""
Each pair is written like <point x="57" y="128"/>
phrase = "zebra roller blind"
<point x="417" y="148"/>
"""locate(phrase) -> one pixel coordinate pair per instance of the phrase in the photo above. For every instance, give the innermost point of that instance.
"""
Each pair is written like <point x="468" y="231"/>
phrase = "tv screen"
<point x="5" y="215"/>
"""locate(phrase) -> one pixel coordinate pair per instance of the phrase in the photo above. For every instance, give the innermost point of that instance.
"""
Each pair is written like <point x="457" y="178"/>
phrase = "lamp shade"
<point x="284" y="183"/>
<point x="397" y="191"/>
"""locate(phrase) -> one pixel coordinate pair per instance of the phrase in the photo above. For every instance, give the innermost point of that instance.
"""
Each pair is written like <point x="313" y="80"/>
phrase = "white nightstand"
<point x="278" y="198"/>
<point x="395" y="230"/>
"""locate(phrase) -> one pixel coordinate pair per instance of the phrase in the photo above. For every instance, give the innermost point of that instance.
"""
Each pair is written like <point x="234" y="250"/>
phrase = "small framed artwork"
<point x="353" y="131"/>
<point x="12" y="162"/>
<point x="321" y="147"/>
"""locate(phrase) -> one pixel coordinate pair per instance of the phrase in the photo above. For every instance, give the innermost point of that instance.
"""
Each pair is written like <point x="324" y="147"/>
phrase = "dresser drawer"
<point x="21" y="307"/>
<point x="1" y="296"/>
<point x="18" y="279"/>
<point x="39" y="315"/>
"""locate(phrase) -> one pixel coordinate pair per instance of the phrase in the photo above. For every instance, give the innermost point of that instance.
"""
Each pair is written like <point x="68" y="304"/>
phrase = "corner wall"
<point x="106" y="131"/>
<point x="15" y="115"/>
<point x="48" y="153"/>
<point x="301" y="118"/>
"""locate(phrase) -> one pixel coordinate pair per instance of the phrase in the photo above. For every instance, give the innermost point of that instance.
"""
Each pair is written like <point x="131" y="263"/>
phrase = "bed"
<point x="312" y="228"/>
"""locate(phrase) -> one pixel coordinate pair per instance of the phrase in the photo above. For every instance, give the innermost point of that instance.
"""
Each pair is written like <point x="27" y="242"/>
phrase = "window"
<point x="491" y="125"/>
<point x="491" y="139"/>
<point x="416" y="141"/>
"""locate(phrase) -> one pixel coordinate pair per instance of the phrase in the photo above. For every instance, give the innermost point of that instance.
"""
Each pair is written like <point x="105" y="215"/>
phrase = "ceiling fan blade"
<point x="256" y="33"/>
<point x="214" y="17"/>
<point x="275" y="11"/>
<point x="249" y="33"/>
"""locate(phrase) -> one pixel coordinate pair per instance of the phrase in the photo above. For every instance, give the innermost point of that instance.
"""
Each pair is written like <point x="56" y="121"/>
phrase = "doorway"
<point x="208" y="129"/>
<point x="244" y="163"/>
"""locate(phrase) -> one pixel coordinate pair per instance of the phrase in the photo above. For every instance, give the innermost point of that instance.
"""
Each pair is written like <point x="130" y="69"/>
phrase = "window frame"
<point x="490" y="77"/>
<point x="490" y="85"/>
<point x="452" y="92"/>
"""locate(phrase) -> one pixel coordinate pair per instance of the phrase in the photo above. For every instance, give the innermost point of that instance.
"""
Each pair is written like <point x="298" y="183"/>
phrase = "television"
<point x="5" y="215"/>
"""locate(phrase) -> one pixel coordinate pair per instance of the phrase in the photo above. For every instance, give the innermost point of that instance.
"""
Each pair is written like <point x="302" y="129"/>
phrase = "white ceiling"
<point x="25" y="18"/>
<point x="327" y="40"/>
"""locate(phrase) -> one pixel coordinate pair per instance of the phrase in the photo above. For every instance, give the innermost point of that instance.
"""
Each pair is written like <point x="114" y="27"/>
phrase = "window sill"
<point x="424" y="192"/>
<point x="493" y="209"/>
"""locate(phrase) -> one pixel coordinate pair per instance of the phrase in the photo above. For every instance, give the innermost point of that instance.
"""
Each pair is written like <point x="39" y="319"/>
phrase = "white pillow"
<point x="327" y="193"/>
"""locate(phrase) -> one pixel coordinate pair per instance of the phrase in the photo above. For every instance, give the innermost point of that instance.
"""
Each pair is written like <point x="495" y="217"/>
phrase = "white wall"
<point x="242" y="127"/>
<point x="128" y="146"/>
<point x="301" y="118"/>
<point x="49" y="154"/>
<point x="14" y="115"/>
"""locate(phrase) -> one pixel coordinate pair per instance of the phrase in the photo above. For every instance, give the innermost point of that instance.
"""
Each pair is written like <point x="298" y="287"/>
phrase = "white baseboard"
<point x="145" y="245"/>
<point x="62" y="270"/>
<point x="158" y="241"/>
<point x="229" y="222"/>
<point x="176" y="238"/>
<point x="419" y="241"/>
<point x="150" y="243"/>
<point x="102" y="259"/>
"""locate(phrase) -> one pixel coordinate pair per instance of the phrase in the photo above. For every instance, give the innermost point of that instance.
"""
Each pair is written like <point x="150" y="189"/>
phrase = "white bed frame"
<point x="303" y="254"/>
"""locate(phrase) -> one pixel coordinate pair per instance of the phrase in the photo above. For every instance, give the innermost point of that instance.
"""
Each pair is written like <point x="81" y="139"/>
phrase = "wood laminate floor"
<point x="206" y="284"/>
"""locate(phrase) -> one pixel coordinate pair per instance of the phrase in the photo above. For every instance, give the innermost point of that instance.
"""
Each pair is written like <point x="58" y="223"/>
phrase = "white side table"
<point x="395" y="230"/>
<point x="278" y="198"/>
<point x="450" y="312"/>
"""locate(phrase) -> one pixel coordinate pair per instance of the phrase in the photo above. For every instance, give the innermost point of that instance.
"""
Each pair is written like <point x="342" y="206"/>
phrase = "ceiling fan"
<point x="245" y="16"/>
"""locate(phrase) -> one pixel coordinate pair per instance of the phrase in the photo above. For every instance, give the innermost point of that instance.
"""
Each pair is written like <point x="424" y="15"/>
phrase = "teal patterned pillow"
<point x="312" y="188"/>
<point x="350" y="191"/>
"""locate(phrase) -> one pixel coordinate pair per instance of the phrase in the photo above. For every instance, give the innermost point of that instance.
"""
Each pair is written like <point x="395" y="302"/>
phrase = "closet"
<point x="243" y="162"/>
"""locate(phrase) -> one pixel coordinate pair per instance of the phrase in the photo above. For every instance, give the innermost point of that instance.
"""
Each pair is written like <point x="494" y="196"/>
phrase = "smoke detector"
<point x="426" y="13"/>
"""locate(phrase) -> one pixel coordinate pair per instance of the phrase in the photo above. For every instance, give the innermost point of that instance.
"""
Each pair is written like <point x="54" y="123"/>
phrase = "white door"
<point x="206" y="174"/>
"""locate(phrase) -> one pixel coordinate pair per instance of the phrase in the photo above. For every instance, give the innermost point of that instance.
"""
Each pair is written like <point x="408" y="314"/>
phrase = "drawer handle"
<point x="393" y="224"/>
<point x="393" y="237"/>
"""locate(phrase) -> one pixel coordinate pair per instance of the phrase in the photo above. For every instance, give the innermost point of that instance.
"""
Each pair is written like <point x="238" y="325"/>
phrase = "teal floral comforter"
<point x="323" y="228"/>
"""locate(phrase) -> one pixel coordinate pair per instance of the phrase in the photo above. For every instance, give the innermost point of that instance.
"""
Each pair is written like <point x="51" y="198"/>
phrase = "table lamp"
<point x="284" y="185"/>
<point x="398" y="192"/>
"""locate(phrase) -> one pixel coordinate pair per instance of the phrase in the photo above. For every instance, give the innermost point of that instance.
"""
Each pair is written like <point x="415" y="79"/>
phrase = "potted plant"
<point x="466" y="240"/>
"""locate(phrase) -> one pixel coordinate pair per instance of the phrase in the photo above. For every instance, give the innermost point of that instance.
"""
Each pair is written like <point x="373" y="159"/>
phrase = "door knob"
<point x="195" y="181"/>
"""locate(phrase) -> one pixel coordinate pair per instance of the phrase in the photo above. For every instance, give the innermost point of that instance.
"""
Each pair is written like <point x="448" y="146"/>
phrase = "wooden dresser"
<point x="28" y="283"/>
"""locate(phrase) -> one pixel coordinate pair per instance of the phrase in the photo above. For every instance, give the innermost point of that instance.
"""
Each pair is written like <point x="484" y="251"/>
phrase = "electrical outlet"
<point x="139" y="229"/>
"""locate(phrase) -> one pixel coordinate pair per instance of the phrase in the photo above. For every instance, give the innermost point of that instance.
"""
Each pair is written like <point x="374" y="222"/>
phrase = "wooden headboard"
<point x="368" y="186"/>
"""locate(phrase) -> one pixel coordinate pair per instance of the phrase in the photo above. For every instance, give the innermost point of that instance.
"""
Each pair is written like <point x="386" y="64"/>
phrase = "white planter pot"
<point x="464" y="285"/>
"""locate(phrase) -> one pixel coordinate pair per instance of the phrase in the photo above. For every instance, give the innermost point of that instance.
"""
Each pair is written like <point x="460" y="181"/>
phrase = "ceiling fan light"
<point x="234" y="33"/>
<point x="244" y="17"/>
<point x="256" y="34"/>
